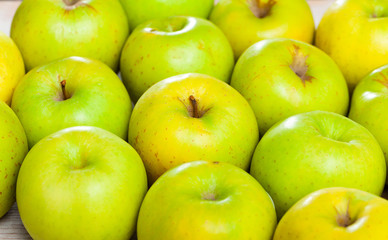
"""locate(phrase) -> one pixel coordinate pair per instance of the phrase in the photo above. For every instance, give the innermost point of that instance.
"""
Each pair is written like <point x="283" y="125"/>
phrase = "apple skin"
<point x="316" y="150"/>
<point x="13" y="149"/>
<point x="264" y="75"/>
<point x="47" y="30"/>
<point x="163" y="48"/>
<point x="81" y="183"/>
<point x="141" y="11"/>
<point x="11" y="67"/>
<point x="353" y="38"/>
<point x="286" y="19"/>
<point x="94" y="96"/>
<point x="165" y="134"/>
<point x="317" y="217"/>
<point x="206" y="200"/>
<point x="370" y="106"/>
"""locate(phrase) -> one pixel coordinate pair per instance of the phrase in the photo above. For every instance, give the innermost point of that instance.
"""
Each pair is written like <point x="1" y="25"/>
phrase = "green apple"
<point x="144" y="10"/>
<point x="71" y="92"/>
<point x="316" y="150"/>
<point x="246" y="22"/>
<point x="354" y="33"/>
<point x="336" y="214"/>
<point x="81" y="183"/>
<point x="163" y="48"/>
<point x="192" y="117"/>
<point x="206" y="200"/>
<point x="46" y="30"/>
<point x="370" y="106"/>
<point x="284" y="77"/>
<point x="13" y="148"/>
<point x="11" y="67"/>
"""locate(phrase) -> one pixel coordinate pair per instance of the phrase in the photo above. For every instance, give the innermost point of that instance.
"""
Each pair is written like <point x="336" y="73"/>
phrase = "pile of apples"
<point x="226" y="123"/>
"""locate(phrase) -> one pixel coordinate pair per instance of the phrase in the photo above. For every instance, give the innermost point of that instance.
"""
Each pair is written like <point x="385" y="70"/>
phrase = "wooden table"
<point x="11" y="226"/>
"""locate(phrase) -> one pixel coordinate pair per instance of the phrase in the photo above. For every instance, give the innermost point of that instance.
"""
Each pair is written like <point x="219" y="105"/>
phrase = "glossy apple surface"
<point x="81" y="183"/>
<point x="47" y="30"/>
<point x="336" y="214"/>
<point x="167" y="47"/>
<point x="206" y="200"/>
<point x="11" y="67"/>
<point x="192" y="117"/>
<point x="370" y="106"/>
<point x="71" y="92"/>
<point x="246" y="22"/>
<point x="354" y="33"/>
<point x="142" y="11"/>
<point x="316" y="150"/>
<point x="13" y="148"/>
<point x="284" y="77"/>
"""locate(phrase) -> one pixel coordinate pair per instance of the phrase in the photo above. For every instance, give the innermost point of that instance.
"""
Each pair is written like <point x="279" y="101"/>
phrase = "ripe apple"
<point x="46" y="30"/>
<point x="142" y="11"/>
<point x="81" y="183"/>
<point x="354" y="34"/>
<point x="316" y="150"/>
<point x="71" y="92"/>
<point x="246" y="22"/>
<point x="13" y="148"/>
<point x="163" y="48"/>
<point x="206" y="200"/>
<point x="11" y="67"/>
<point x="336" y="213"/>
<point x="192" y="117"/>
<point x="370" y="106"/>
<point x="284" y="77"/>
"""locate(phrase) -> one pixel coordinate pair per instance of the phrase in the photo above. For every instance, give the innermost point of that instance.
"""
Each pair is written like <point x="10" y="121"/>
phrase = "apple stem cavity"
<point x="344" y="220"/>
<point x="71" y="4"/>
<point x="260" y="9"/>
<point x="299" y="65"/>
<point x="209" y="196"/>
<point x="63" y="85"/>
<point x="194" y="105"/>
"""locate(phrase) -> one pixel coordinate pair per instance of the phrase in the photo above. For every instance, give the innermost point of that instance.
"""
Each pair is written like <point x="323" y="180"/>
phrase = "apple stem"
<point x="344" y="220"/>
<point x="63" y="84"/>
<point x="261" y="10"/>
<point x="194" y="104"/>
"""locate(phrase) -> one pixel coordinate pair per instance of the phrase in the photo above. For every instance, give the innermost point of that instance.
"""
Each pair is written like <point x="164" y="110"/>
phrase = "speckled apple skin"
<point x="142" y="11"/>
<point x="316" y="150"/>
<point x="97" y="98"/>
<point x="353" y="38"/>
<point x="286" y="19"/>
<point x="165" y="135"/>
<point x="11" y="67"/>
<point x="264" y="77"/>
<point x="315" y="216"/>
<point x="370" y="106"/>
<point x="13" y="149"/>
<point x="153" y="53"/>
<point x="46" y="30"/>
<point x="241" y="209"/>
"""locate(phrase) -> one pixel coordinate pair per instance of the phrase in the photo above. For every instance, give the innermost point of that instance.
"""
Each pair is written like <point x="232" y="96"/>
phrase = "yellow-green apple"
<point x="47" y="30"/>
<point x="142" y="11"/>
<point x="192" y="117"/>
<point x="163" y="48"/>
<point x="11" y="67"/>
<point x="81" y="183"/>
<point x="206" y="200"/>
<point x="13" y="148"/>
<point x="354" y="33"/>
<point x="316" y="150"/>
<point x="370" y="106"/>
<point x="284" y="77"/>
<point x="246" y="22"/>
<point x="71" y="92"/>
<point x="335" y="214"/>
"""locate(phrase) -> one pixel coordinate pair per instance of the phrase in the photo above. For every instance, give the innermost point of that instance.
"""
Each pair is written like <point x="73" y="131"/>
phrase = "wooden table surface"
<point x="11" y="226"/>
